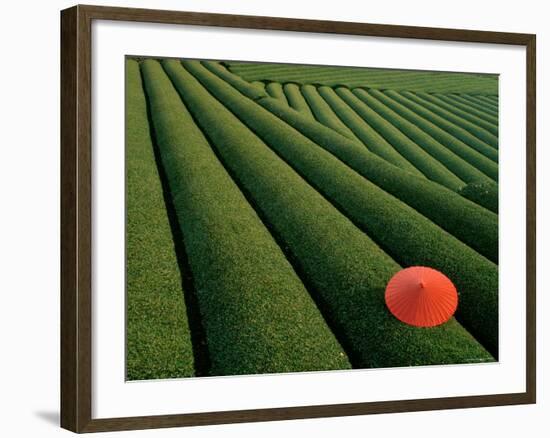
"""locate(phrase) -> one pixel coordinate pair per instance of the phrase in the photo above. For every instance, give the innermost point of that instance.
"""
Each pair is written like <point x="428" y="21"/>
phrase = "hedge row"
<point x="259" y="84"/>
<point x="482" y="194"/>
<point x="345" y="268"/>
<point x="416" y="155"/>
<point x="375" y="78"/>
<point x="402" y="232"/>
<point x="324" y="113"/>
<point x="473" y="135"/>
<point x="480" y="128"/>
<point x="371" y="138"/>
<point x="484" y="100"/>
<point x="467" y="221"/>
<point x="257" y="315"/>
<point x="430" y="125"/>
<point x="158" y="341"/>
<point x="315" y="71"/>
<point x="473" y="225"/>
<point x="444" y="154"/>
<point x="251" y="68"/>
<point x="275" y="89"/>
<point x="481" y="106"/>
<point x="296" y="100"/>
<point x="319" y="73"/>
<point x="241" y="84"/>
<point x="467" y="132"/>
<point x="263" y="68"/>
<point x="456" y="101"/>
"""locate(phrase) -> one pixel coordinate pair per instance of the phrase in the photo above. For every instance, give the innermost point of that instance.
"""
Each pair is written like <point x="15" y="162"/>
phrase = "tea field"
<point x="268" y="205"/>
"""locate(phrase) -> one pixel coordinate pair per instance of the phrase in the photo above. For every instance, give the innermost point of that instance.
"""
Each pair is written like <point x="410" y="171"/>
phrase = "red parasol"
<point x="421" y="296"/>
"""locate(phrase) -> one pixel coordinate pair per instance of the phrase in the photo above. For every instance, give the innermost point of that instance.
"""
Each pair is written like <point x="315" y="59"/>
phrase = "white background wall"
<point x="29" y="217"/>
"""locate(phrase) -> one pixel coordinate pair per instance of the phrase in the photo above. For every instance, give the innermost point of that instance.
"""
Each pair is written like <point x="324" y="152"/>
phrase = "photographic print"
<point x="302" y="218"/>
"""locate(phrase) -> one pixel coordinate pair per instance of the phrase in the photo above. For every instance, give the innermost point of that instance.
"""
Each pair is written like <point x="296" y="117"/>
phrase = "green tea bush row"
<point x="275" y="89"/>
<point x="158" y="342"/>
<point x="345" y="268"/>
<point x="462" y="127"/>
<point x="373" y="78"/>
<point x="259" y="84"/>
<point x="480" y="128"/>
<point x="370" y="137"/>
<point x="256" y="71"/>
<point x="464" y="105"/>
<point x="467" y="221"/>
<point x="403" y="233"/>
<point x="296" y="100"/>
<point x="484" y="100"/>
<point x="430" y="166"/>
<point x="473" y="135"/>
<point x="484" y="159"/>
<point x="257" y="315"/>
<point x="475" y="103"/>
<point x="444" y="154"/>
<point x="324" y="113"/>
<point x="482" y="194"/>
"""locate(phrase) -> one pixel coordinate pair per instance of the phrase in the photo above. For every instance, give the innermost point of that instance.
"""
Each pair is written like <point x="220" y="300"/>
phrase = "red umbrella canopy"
<point x="421" y="296"/>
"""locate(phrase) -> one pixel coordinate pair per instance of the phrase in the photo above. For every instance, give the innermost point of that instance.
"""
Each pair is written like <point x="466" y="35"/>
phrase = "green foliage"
<point x="482" y="194"/>
<point x="158" y="338"/>
<point x="372" y="139"/>
<point x="473" y="225"/>
<point x="257" y="315"/>
<point x="444" y="155"/>
<point x="324" y="113"/>
<point x="487" y="101"/>
<point x="480" y="128"/>
<point x="456" y="131"/>
<point x="421" y="119"/>
<point x="295" y="213"/>
<point x="259" y="84"/>
<point x="464" y="105"/>
<point x="402" y="232"/>
<point x="347" y="271"/>
<point x="296" y="100"/>
<point x="415" y="154"/>
<point x="481" y="106"/>
<point x="433" y="82"/>
<point x="275" y="89"/>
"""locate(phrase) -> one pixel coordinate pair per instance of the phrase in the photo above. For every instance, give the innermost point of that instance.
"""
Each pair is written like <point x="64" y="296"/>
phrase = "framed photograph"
<point x="269" y="218"/>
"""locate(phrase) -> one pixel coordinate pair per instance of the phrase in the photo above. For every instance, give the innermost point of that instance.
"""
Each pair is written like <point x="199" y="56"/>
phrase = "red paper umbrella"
<point x="421" y="296"/>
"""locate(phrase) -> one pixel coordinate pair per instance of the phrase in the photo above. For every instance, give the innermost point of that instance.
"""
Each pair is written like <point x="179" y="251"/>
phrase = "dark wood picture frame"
<point x="76" y="218"/>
